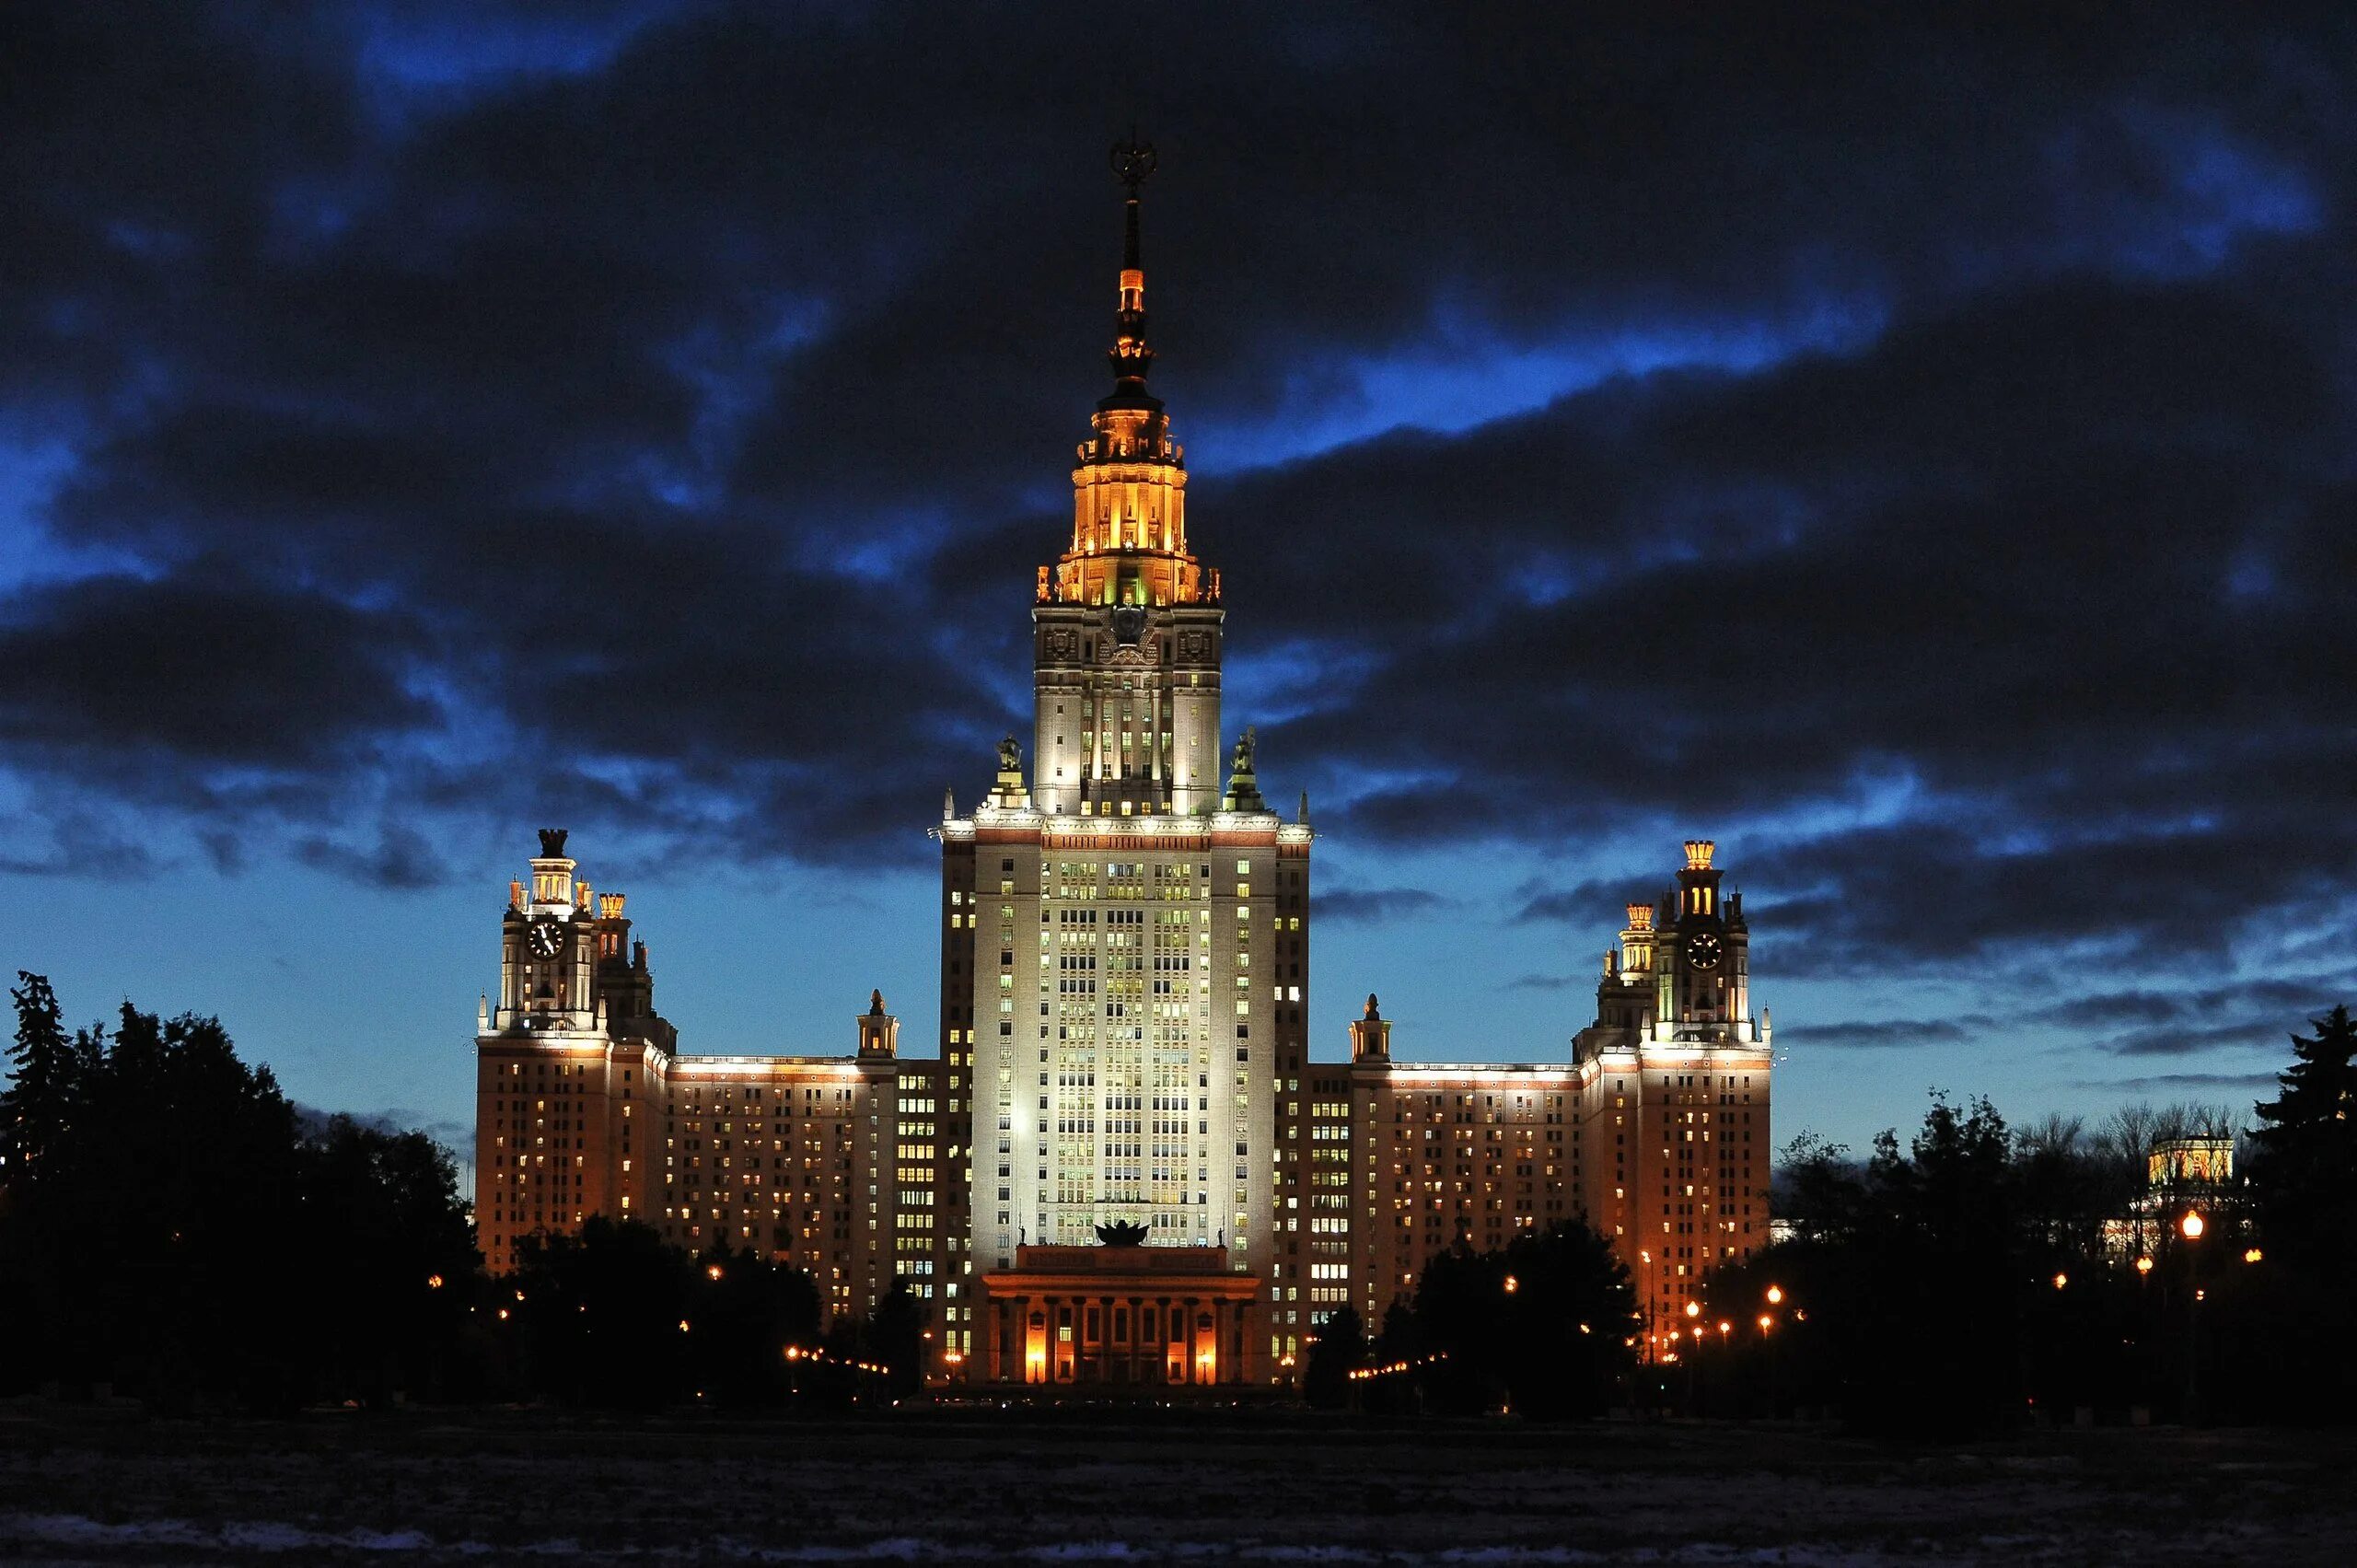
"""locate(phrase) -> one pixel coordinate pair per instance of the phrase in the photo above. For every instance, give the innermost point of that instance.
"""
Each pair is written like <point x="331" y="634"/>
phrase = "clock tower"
<point x="1680" y="1096"/>
<point x="1705" y="983"/>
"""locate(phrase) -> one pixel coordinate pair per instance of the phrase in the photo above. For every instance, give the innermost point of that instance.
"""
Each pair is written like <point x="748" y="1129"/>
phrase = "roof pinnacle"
<point x="1133" y="161"/>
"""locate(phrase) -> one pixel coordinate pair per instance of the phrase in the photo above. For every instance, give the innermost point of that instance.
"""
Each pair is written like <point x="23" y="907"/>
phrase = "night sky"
<point x="1915" y="453"/>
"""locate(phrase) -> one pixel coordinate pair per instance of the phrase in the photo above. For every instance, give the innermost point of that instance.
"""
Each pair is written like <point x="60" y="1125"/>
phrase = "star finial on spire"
<point x="1133" y="161"/>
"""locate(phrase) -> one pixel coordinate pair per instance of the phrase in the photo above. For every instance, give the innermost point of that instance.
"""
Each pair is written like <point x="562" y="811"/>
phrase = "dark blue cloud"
<point x="1346" y="905"/>
<point x="1916" y="455"/>
<point x="1886" y="1033"/>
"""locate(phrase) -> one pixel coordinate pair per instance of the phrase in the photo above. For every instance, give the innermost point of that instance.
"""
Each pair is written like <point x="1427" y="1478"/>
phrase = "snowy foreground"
<point x="946" y="1487"/>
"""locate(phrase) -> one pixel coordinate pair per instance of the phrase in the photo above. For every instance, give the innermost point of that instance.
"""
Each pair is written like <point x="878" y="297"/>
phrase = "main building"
<point x="1122" y="1166"/>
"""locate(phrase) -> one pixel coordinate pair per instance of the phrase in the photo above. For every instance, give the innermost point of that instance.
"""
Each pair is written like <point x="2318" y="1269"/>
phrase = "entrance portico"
<point x="1122" y="1316"/>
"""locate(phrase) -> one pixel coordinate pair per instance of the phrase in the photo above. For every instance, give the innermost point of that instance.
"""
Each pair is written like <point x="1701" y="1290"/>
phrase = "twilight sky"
<point x="1917" y="455"/>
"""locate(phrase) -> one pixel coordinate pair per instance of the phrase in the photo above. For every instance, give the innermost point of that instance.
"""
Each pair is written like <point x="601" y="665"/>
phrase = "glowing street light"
<point x="1693" y="1309"/>
<point x="2252" y="1255"/>
<point x="1775" y="1295"/>
<point x="2061" y="1280"/>
<point x="433" y="1282"/>
<point x="712" y="1273"/>
<point x="1766" y="1322"/>
<point x="2192" y="1225"/>
<point x="1511" y="1284"/>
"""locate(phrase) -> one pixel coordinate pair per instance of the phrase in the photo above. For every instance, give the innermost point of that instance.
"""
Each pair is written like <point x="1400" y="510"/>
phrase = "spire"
<point x="1128" y="526"/>
<point x="1130" y="358"/>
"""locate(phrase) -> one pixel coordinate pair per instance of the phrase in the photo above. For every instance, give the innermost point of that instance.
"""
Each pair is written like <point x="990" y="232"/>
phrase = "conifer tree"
<point x="37" y="1103"/>
<point x="2304" y="1169"/>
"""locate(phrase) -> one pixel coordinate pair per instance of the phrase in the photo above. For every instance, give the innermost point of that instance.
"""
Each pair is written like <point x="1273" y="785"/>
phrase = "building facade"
<point x="1124" y="1040"/>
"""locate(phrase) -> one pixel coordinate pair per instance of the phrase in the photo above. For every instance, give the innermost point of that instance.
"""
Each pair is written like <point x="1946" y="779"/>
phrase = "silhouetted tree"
<point x="1387" y="1392"/>
<point x="168" y="1216"/>
<point x="388" y="1273"/>
<point x="1337" y="1348"/>
<point x="173" y="1234"/>
<point x="1541" y="1325"/>
<point x="2303" y="1167"/>
<point x="894" y="1336"/>
<point x="2278" y="1334"/>
<point x="594" y="1317"/>
<point x="745" y="1309"/>
<point x="1914" y="1272"/>
<point x="41" y="1088"/>
<point x="1569" y="1321"/>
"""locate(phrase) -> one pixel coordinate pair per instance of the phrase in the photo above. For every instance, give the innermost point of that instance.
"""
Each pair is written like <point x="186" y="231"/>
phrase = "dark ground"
<point x="86" y="1485"/>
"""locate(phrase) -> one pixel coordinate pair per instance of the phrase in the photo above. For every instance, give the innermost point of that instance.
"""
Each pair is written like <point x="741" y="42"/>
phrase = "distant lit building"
<point x="1124" y="1041"/>
<point x="2191" y="1172"/>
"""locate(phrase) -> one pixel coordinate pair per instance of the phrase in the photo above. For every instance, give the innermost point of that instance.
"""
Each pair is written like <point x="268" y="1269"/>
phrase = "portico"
<point x="1120" y="1315"/>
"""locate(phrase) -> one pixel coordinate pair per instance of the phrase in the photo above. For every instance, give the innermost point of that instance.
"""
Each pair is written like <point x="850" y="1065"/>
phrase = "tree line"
<point x="1982" y="1276"/>
<point x="173" y="1228"/>
<point x="1973" y="1279"/>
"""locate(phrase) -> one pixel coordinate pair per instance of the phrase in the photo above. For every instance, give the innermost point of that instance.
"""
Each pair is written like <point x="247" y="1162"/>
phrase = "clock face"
<point x="1702" y="950"/>
<point x="545" y="936"/>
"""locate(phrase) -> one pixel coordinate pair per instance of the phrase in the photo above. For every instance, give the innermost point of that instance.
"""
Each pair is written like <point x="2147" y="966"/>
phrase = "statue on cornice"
<point x="1010" y="756"/>
<point x="1242" y="762"/>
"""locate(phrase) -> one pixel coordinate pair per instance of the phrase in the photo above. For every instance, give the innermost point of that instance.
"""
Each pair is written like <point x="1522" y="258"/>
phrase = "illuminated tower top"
<point x="1129" y="528"/>
<point x="1130" y="357"/>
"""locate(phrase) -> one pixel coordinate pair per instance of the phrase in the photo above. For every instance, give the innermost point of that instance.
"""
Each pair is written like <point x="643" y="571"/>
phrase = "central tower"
<point x="1125" y="952"/>
<point x="1126" y="628"/>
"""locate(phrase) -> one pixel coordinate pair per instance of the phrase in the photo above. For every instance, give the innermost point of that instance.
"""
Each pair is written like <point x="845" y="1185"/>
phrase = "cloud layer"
<point x="1917" y="455"/>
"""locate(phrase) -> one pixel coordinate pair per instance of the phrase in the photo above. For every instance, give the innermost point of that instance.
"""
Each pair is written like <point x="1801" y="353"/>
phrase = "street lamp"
<point x="2061" y="1280"/>
<point x="2144" y="1265"/>
<point x="2193" y="1225"/>
<point x="1775" y="1295"/>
